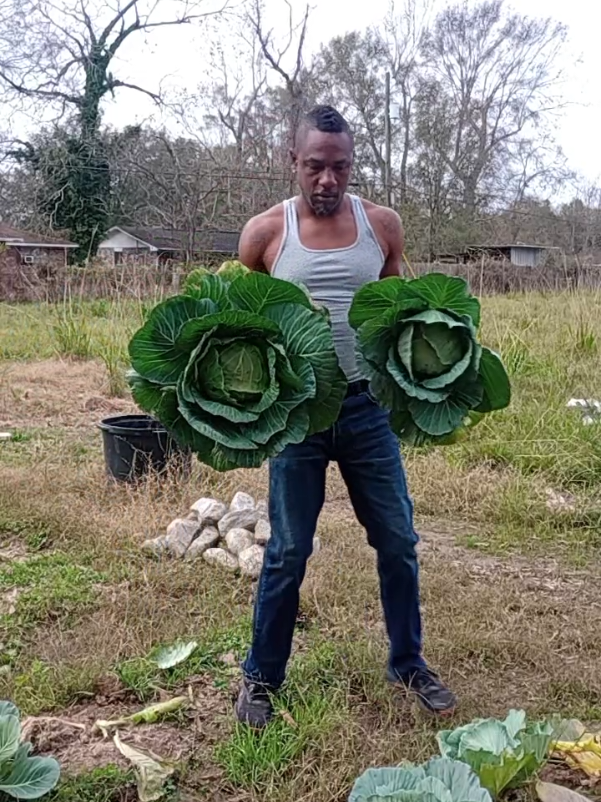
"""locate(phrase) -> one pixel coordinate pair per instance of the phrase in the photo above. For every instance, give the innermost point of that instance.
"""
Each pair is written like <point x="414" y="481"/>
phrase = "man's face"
<point x="323" y="164"/>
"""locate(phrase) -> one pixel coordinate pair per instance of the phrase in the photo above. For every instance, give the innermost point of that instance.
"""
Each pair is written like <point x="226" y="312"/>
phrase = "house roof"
<point x="507" y="247"/>
<point x="27" y="239"/>
<point x="210" y="240"/>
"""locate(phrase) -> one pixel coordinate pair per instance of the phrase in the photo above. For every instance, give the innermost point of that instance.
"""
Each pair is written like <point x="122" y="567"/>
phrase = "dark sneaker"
<point x="254" y="706"/>
<point x="431" y="694"/>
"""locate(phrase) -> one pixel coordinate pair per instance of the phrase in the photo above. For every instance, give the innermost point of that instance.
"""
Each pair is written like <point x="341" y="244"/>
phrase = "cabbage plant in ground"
<point x="438" y="780"/>
<point x="417" y="343"/>
<point x="237" y="367"/>
<point x="503" y="754"/>
<point x="21" y="775"/>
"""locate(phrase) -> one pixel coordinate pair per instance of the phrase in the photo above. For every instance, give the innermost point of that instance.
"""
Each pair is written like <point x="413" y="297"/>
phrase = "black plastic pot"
<point x="135" y="445"/>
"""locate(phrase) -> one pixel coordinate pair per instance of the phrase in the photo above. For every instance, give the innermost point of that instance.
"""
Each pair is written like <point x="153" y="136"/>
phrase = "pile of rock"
<point x="232" y="536"/>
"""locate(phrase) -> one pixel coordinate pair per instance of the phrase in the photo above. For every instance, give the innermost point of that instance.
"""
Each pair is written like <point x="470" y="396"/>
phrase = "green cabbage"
<point x="439" y="780"/>
<point x="417" y="343"/>
<point x="21" y="775"/>
<point x="504" y="754"/>
<point x="237" y="369"/>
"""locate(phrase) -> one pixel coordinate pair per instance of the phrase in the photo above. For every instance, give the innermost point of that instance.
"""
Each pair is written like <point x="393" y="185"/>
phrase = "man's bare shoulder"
<point x="385" y="218"/>
<point x="258" y="235"/>
<point x="269" y="221"/>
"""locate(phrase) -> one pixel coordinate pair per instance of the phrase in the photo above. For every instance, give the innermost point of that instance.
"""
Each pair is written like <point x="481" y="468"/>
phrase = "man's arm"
<point x="254" y="239"/>
<point x="392" y="229"/>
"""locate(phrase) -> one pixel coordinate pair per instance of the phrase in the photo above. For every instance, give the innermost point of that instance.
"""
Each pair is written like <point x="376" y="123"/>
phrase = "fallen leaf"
<point x="170" y="656"/>
<point x="151" y="770"/>
<point x="550" y="792"/>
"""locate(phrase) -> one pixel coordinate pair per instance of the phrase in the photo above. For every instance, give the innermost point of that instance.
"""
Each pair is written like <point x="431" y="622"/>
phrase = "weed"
<point x="115" y="361"/>
<point x="72" y="334"/>
<point x="105" y="784"/>
<point x="48" y="585"/>
<point x="306" y="713"/>
<point x="143" y="677"/>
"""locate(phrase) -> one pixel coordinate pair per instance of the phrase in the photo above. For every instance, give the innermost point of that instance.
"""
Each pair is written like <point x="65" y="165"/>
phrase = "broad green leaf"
<point x="256" y="292"/>
<point x="308" y="335"/>
<point x="30" y="777"/>
<point x="424" y="359"/>
<point x="222" y="325"/>
<point x="444" y="417"/>
<point x="447" y="292"/>
<point x="245" y="368"/>
<point x="412" y="388"/>
<point x="405" y="348"/>
<point x="8" y="709"/>
<point x="324" y="414"/>
<point x="155" y="350"/>
<point x="10" y="734"/>
<point x="458" y="372"/>
<point x="495" y="382"/>
<point x="448" y="348"/>
<point x="218" y="429"/>
<point x="208" y="286"/>
<point x="377" y="297"/>
<point x="155" y="399"/>
<point x="462" y="783"/>
<point x="170" y="656"/>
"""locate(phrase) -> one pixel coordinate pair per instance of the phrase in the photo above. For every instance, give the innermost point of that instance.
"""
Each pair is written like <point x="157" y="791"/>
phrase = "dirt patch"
<point x="70" y="736"/>
<point x="55" y="393"/>
<point x="12" y="550"/>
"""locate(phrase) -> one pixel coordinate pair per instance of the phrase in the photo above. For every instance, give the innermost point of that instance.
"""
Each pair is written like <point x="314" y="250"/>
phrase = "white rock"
<point x="262" y="509"/>
<point x="6" y="435"/>
<point x="238" y="519"/>
<point x="208" y="538"/>
<point x="262" y="531"/>
<point x="156" y="546"/>
<point x="251" y="561"/>
<point x="316" y="546"/>
<point x="180" y="533"/>
<point x="242" y="501"/>
<point x="237" y="540"/>
<point x="222" y="558"/>
<point x="209" y="510"/>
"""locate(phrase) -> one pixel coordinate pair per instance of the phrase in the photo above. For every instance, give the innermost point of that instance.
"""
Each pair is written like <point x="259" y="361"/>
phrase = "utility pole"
<point x="387" y="143"/>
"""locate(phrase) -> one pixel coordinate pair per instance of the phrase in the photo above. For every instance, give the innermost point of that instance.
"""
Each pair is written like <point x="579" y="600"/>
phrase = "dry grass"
<point x="510" y="589"/>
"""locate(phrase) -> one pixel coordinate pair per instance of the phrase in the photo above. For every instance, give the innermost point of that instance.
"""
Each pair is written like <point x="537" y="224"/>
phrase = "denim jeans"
<point x="368" y="455"/>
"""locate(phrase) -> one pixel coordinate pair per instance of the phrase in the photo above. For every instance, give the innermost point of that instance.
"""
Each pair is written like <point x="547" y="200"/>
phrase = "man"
<point x="333" y="242"/>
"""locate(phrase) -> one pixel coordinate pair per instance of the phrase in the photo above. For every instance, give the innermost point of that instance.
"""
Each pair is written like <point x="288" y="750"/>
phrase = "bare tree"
<point x="500" y="70"/>
<point x="63" y="52"/>
<point x="285" y="58"/>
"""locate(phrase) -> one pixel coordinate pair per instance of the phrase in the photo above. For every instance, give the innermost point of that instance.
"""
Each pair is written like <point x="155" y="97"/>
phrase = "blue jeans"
<point x="368" y="455"/>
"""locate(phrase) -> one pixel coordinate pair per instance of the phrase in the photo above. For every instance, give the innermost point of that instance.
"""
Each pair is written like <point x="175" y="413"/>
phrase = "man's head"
<point x="323" y="157"/>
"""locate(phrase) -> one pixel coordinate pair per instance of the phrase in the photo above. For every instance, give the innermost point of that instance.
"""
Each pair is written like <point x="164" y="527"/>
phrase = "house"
<point x="518" y="254"/>
<point x="27" y="260"/>
<point x="133" y="245"/>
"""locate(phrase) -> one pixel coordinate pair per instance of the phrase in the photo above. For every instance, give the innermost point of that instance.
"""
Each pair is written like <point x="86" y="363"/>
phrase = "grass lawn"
<point x="510" y="576"/>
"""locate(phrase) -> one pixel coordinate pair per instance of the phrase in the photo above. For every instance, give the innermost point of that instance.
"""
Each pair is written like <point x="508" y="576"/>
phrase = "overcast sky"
<point x="180" y="53"/>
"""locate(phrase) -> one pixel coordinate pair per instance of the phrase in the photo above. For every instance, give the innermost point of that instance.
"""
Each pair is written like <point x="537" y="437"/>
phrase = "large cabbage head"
<point x="417" y="342"/>
<point x="438" y="780"/>
<point x="237" y="370"/>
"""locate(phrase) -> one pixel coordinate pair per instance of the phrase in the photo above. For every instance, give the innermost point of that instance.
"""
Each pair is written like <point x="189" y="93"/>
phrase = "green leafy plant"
<point x="417" y="342"/>
<point x="438" y="780"/>
<point x="21" y="775"/>
<point x="237" y="370"/>
<point x="503" y="754"/>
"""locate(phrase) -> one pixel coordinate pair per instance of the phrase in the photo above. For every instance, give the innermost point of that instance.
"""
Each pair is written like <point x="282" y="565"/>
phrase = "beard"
<point x="324" y="206"/>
